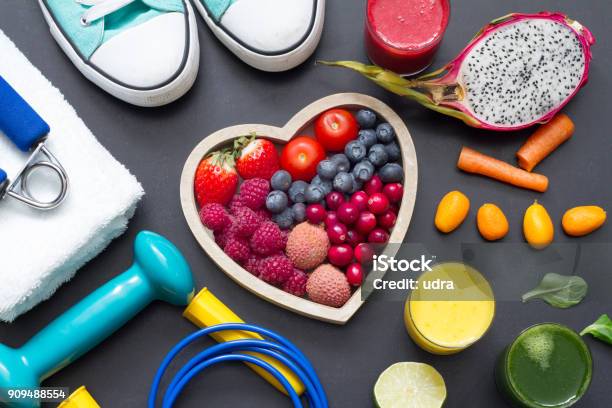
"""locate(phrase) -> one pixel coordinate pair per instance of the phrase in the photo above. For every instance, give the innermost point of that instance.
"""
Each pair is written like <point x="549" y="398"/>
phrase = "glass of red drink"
<point x="404" y="35"/>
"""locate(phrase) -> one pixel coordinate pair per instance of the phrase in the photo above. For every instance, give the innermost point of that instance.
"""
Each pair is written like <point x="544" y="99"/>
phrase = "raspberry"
<point x="267" y="239"/>
<point x="275" y="269"/>
<point x="285" y="237"/>
<point x="214" y="216"/>
<point x="235" y="204"/>
<point x="264" y="214"/>
<point x="237" y="249"/>
<point x="223" y="236"/>
<point x="246" y="222"/>
<point x="253" y="193"/>
<point x="252" y="264"/>
<point x="296" y="284"/>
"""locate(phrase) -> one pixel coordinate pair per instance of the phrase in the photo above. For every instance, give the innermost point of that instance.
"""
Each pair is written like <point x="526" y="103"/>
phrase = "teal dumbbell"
<point x="159" y="272"/>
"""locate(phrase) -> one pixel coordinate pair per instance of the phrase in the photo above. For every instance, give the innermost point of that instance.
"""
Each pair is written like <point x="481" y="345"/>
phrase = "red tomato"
<point x="300" y="157"/>
<point x="335" y="128"/>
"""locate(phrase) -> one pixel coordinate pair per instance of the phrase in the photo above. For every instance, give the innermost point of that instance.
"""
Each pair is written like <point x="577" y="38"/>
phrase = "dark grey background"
<point x="153" y="144"/>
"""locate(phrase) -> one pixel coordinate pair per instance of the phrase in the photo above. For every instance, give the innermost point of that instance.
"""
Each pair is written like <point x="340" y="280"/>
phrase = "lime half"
<point x="410" y="385"/>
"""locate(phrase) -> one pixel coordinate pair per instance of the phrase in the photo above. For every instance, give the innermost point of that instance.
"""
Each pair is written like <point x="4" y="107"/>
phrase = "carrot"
<point x="472" y="161"/>
<point x="544" y="141"/>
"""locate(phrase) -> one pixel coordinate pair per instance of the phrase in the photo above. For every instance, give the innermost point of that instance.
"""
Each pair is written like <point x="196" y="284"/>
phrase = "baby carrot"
<point x="472" y="161"/>
<point x="544" y="141"/>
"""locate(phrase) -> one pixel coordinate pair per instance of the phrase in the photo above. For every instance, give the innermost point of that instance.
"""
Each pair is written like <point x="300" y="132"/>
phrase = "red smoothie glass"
<point x="404" y="35"/>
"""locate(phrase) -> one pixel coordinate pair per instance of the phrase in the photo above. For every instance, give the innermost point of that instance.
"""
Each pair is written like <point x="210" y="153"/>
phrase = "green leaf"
<point x="601" y="329"/>
<point x="559" y="290"/>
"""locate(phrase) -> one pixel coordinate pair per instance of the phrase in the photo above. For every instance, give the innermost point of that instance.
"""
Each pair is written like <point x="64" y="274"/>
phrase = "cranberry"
<point x="354" y="238"/>
<point x="336" y="233"/>
<point x="394" y="192"/>
<point x="360" y="199"/>
<point x="334" y="199"/>
<point x="366" y="222"/>
<point x="340" y="255"/>
<point x="378" y="236"/>
<point x="316" y="213"/>
<point x="347" y="213"/>
<point x="374" y="185"/>
<point x="378" y="203"/>
<point x="331" y="218"/>
<point x="354" y="274"/>
<point x="364" y="253"/>
<point x="394" y="208"/>
<point x="387" y="219"/>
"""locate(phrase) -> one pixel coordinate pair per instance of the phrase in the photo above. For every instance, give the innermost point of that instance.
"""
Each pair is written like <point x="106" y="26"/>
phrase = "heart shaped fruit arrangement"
<point x="304" y="218"/>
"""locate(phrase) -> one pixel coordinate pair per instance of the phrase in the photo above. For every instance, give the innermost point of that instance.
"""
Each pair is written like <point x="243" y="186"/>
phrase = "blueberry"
<point x="391" y="173"/>
<point x="314" y="193"/>
<point x="284" y="219"/>
<point x="281" y="180"/>
<point x="357" y="185"/>
<point x="325" y="184"/>
<point x="367" y="137"/>
<point x="276" y="201"/>
<point x="327" y="169"/>
<point x="393" y="151"/>
<point x="343" y="182"/>
<point x="299" y="212"/>
<point x="363" y="171"/>
<point x="342" y="162"/>
<point x="378" y="155"/>
<point x="366" y="118"/>
<point x="355" y="151"/>
<point x="297" y="190"/>
<point x="385" y="133"/>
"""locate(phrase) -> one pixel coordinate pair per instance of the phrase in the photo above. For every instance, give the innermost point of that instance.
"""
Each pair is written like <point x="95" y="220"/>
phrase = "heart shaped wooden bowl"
<point x="301" y="121"/>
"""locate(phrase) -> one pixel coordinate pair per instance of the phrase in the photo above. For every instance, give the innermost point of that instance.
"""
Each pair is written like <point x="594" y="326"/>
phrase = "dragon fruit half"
<point x="519" y="70"/>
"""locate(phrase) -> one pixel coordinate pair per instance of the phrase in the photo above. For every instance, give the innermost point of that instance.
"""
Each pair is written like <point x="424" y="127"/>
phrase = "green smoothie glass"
<point x="547" y="366"/>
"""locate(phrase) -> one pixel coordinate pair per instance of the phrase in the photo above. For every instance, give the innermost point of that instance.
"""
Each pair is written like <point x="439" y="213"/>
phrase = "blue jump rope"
<point x="28" y="131"/>
<point x="276" y="346"/>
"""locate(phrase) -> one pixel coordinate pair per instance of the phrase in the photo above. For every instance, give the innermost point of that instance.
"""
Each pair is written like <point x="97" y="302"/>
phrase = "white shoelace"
<point x="100" y="9"/>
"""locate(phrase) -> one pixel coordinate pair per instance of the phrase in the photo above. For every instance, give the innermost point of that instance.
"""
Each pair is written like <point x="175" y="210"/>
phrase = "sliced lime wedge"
<point x="410" y="385"/>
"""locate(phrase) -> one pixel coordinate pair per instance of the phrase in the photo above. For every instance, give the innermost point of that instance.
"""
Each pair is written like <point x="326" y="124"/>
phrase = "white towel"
<point x="40" y="250"/>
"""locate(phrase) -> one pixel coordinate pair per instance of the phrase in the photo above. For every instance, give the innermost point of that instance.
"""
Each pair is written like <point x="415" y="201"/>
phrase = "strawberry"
<point x="216" y="179"/>
<point x="255" y="157"/>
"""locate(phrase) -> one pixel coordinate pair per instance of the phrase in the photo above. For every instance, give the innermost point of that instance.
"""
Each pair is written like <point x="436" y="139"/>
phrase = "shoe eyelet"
<point x="84" y="22"/>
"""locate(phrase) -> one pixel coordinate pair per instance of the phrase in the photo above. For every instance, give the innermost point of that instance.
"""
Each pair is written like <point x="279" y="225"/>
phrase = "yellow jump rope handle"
<point x="81" y="398"/>
<point x="207" y="310"/>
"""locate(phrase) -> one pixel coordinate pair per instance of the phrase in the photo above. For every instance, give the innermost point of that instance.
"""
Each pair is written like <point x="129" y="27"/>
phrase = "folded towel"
<point x="40" y="250"/>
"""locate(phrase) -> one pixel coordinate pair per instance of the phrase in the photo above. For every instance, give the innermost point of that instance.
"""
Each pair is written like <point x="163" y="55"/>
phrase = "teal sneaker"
<point x="145" y="52"/>
<point x="271" y="35"/>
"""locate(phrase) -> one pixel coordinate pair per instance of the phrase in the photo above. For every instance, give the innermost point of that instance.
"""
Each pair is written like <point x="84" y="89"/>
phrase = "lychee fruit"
<point x="307" y="245"/>
<point x="328" y="286"/>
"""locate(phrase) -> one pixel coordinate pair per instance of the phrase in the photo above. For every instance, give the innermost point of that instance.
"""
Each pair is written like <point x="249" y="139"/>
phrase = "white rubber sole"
<point x="270" y="63"/>
<point x="147" y="97"/>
